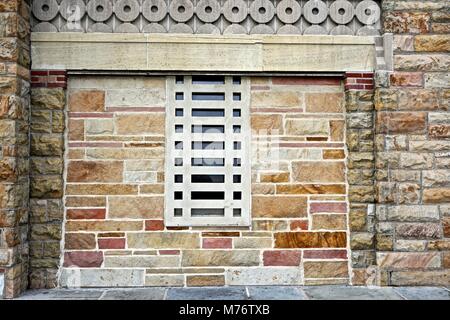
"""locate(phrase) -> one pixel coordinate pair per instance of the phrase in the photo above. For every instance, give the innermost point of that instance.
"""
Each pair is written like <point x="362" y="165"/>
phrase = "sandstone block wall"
<point x="413" y="148"/>
<point x="114" y="190"/>
<point x="14" y="145"/>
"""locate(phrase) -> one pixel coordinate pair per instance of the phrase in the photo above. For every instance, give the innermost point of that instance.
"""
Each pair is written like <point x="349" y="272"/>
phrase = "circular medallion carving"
<point x="262" y="11"/>
<point x="368" y="12"/>
<point x="45" y="10"/>
<point x="72" y="10"/>
<point x="127" y="10"/>
<point x="289" y="11"/>
<point x="99" y="10"/>
<point x="342" y="12"/>
<point x="235" y="11"/>
<point x="154" y="10"/>
<point x="181" y="10"/>
<point x="208" y="10"/>
<point x="315" y="11"/>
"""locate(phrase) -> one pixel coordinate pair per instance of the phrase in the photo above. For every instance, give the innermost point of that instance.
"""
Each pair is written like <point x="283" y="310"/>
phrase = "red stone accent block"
<point x="49" y="79"/>
<point x="282" y="258"/>
<point x="299" y="225"/>
<point x="154" y="225"/>
<point x="333" y="207"/>
<point x="169" y="252"/>
<point x="118" y="243"/>
<point x="325" y="254"/>
<point x="85" y="259"/>
<point x="359" y="81"/>
<point x="217" y="243"/>
<point x="86" y="213"/>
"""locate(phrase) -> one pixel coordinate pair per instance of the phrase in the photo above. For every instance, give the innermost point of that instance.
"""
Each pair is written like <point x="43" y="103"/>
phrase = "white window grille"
<point x="208" y="173"/>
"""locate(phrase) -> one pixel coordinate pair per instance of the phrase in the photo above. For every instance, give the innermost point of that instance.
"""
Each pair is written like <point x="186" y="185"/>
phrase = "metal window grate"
<point x="208" y="151"/>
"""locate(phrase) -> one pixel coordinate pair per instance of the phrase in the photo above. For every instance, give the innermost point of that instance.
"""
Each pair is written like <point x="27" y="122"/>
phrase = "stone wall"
<point x="47" y="127"/>
<point x="413" y="147"/>
<point x="14" y="144"/>
<point x="114" y="230"/>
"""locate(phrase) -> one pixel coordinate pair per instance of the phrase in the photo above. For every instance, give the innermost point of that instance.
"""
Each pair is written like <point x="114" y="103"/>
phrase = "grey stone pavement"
<point x="244" y="293"/>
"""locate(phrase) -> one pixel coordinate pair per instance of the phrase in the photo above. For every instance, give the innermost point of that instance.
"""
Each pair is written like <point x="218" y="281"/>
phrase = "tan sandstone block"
<point x="202" y="281"/>
<point x="326" y="269"/>
<point x="76" y="130"/>
<point x="104" y="225"/>
<point x="85" y="201"/>
<point x="136" y="207"/>
<point x="163" y="240"/>
<point x="329" y="222"/>
<point x="267" y="124"/>
<point x="249" y="243"/>
<point x="325" y="171"/>
<point x="101" y="189"/>
<point x="217" y="258"/>
<point x="408" y="260"/>
<point x="279" y="206"/>
<point x="274" y="177"/>
<point x="324" y="102"/>
<point x="87" y="101"/>
<point x="308" y="127"/>
<point x="267" y="99"/>
<point x="141" y="123"/>
<point x="95" y="171"/>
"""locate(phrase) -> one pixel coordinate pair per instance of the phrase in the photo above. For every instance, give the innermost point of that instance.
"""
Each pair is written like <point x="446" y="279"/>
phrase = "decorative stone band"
<point x="359" y="81"/>
<point x="49" y="79"/>
<point x="341" y="17"/>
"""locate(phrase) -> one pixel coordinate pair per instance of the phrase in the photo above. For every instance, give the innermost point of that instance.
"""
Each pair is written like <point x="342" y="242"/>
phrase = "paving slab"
<point x="276" y="293"/>
<point x="423" y="293"/>
<point x="350" y="293"/>
<point x="134" y="294"/>
<point x="62" y="294"/>
<point x="207" y="293"/>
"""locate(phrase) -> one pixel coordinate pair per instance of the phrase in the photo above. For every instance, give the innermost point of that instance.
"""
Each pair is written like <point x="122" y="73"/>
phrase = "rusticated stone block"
<point x="46" y="231"/>
<point x="419" y="99"/>
<point x="420" y="278"/>
<point x="413" y="213"/>
<point x="436" y="195"/>
<point x="294" y="207"/>
<point x="163" y="240"/>
<point x="407" y="79"/>
<point x="401" y="122"/>
<point x="430" y="43"/>
<point x="48" y="98"/>
<point x="46" y="145"/>
<point x="46" y="165"/>
<point x="406" y="22"/>
<point x="46" y="187"/>
<point x="419" y="230"/>
<point x="439" y="131"/>
<point x="95" y="171"/>
<point x="362" y="241"/>
<point x="87" y="101"/>
<point x="408" y="260"/>
<point x="421" y="62"/>
<point x="310" y="239"/>
<point x="326" y="269"/>
<point x="79" y="241"/>
<point x="203" y="258"/>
